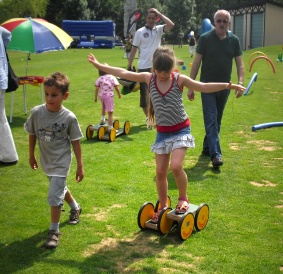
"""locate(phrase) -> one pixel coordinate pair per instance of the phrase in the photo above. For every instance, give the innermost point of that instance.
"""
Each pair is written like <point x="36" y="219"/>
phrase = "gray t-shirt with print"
<point x="54" y="132"/>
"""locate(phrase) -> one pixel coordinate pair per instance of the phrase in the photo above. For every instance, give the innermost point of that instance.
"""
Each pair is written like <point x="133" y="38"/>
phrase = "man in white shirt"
<point x="147" y="39"/>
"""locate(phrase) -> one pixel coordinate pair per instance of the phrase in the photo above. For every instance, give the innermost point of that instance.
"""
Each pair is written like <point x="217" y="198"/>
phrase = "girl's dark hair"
<point x="163" y="59"/>
<point x="58" y="80"/>
<point x="100" y="72"/>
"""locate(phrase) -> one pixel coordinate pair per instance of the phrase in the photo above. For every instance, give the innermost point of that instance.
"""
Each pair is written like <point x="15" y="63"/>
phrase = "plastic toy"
<point x="102" y="131"/>
<point x="128" y="86"/>
<point x="253" y="79"/>
<point x="206" y="26"/>
<point x="196" y="217"/>
<point x="267" y="125"/>
<point x="262" y="57"/>
<point x="256" y="53"/>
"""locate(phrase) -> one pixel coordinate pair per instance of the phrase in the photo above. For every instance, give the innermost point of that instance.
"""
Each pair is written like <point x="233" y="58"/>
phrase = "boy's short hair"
<point x="59" y="80"/>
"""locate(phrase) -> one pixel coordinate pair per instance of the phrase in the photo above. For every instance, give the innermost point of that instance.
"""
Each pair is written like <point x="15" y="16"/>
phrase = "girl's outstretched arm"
<point x="119" y="72"/>
<point x="207" y="87"/>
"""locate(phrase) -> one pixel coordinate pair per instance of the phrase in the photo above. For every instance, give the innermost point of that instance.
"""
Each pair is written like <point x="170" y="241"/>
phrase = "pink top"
<point x="106" y="84"/>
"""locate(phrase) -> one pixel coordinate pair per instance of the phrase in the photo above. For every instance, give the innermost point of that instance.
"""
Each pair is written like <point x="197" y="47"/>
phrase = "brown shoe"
<point x="216" y="162"/>
<point x="52" y="239"/>
<point x="74" y="216"/>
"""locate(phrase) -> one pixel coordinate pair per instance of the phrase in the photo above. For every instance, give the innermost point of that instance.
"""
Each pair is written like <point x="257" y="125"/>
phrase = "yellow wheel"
<point x="164" y="225"/>
<point x="116" y="124"/>
<point x="127" y="127"/>
<point x="157" y="205"/>
<point x="112" y="134"/>
<point x="89" y="132"/>
<point x="145" y="213"/>
<point x="186" y="226"/>
<point x="100" y="133"/>
<point x="201" y="217"/>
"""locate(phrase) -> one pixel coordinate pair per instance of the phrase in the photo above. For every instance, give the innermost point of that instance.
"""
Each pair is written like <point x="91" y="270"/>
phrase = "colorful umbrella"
<point x="36" y="35"/>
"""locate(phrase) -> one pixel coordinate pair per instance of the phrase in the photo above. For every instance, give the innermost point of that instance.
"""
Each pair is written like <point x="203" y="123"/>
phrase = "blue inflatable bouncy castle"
<point x="205" y="26"/>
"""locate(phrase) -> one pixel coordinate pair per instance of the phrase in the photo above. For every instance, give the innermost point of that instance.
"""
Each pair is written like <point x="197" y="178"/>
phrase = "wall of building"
<point x="273" y="25"/>
<point x="272" y="29"/>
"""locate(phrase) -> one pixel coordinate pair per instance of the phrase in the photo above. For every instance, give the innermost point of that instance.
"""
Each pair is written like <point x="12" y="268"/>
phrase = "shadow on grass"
<point x="196" y="173"/>
<point x="16" y="121"/>
<point x="132" y="255"/>
<point x="199" y="171"/>
<point x="23" y="254"/>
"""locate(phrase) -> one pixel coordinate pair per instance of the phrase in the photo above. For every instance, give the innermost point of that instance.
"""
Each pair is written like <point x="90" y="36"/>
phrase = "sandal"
<point x="182" y="206"/>
<point x="155" y="216"/>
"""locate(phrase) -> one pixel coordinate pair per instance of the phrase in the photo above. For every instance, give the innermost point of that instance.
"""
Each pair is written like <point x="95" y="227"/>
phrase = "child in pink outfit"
<point x="104" y="88"/>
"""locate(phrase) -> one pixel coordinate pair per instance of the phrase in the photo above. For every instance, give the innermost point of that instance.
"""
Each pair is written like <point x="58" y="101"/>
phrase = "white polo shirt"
<point x="147" y="40"/>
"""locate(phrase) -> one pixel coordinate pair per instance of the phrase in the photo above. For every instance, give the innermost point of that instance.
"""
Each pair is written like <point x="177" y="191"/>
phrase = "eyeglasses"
<point x="224" y="21"/>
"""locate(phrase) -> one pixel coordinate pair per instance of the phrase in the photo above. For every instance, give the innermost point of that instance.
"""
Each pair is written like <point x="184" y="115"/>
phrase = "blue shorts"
<point x="165" y="143"/>
<point x="57" y="190"/>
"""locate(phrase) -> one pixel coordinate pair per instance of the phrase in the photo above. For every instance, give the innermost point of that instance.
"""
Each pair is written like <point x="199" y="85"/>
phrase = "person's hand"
<point x="239" y="93"/>
<point x="154" y="10"/>
<point x="91" y="58"/>
<point x="239" y="89"/>
<point x="79" y="174"/>
<point x="33" y="163"/>
<point x="191" y="95"/>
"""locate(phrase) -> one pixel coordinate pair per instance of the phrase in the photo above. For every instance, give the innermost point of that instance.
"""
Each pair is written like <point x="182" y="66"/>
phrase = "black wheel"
<point x="145" y="213"/>
<point x="186" y="226"/>
<point x="89" y="132"/>
<point x="164" y="224"/>
<point x="127" y="127"/>
<point x="157" y="205"/>
<point x="201" y="217"/>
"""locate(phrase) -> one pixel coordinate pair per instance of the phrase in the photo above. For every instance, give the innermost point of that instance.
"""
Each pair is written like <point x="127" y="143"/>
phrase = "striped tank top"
<point x="169" y="110"/>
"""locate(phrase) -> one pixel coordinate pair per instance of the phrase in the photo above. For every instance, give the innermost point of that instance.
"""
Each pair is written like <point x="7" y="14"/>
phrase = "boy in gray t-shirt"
<point x="56" y="128"/>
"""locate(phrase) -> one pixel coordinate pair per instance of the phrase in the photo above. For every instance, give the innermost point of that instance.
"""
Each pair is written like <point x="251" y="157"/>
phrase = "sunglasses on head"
<point x="219" y="21"/>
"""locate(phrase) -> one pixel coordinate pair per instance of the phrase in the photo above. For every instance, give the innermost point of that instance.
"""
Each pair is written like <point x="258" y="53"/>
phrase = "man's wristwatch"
<point x="240" y="83"/>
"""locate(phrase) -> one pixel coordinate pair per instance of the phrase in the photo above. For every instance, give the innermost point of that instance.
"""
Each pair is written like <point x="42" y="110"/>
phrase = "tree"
<point x="54" y="12"/>
<point x="181" y="13"/>
<point x="22" y="8"/>
<point x="76" y="10"/>
<point x="108" y="10"/>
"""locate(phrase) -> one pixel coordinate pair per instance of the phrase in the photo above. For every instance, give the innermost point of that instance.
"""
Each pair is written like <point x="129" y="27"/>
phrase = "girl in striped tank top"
<point x="167" y="113"/>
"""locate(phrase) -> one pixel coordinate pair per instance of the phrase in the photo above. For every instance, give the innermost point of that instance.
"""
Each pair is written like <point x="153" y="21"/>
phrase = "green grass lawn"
<point x="245" y="196"/>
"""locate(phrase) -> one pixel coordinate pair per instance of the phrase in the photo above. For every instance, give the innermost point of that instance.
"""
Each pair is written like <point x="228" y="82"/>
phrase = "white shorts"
<point x="57" y="190"/>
